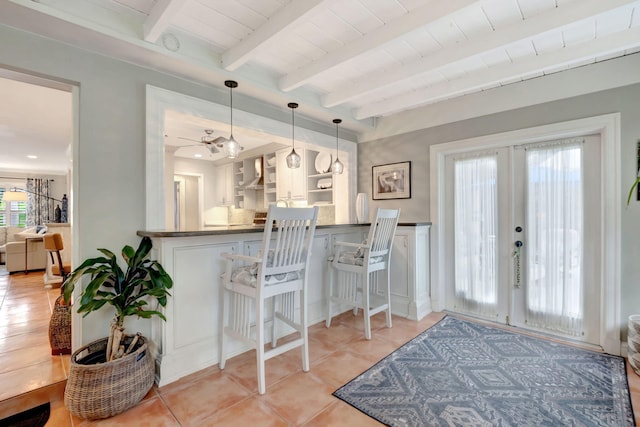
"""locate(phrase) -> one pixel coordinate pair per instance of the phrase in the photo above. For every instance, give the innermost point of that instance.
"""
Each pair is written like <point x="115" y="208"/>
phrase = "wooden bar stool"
<point x="274" y="281"/>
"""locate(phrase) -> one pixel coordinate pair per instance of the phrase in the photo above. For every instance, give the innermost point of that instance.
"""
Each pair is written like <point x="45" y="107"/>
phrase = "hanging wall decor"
<point x="392" y="181"/>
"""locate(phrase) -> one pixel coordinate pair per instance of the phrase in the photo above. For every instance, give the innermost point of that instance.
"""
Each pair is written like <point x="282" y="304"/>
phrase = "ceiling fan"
<point x="212" y="144"/>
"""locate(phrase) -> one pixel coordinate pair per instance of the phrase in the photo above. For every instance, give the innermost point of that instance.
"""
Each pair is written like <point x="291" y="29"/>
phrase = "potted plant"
<point x="110" y="375"/>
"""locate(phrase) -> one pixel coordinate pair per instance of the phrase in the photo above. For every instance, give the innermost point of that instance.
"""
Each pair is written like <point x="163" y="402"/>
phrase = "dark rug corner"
<point x="34" y="417"/>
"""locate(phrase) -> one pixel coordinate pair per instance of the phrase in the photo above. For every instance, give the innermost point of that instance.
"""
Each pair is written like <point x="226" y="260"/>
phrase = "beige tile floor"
<point x="212" y="397"/>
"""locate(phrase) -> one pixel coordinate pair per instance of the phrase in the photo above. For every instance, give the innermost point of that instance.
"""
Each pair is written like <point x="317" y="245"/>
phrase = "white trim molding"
<point x="608" y="127"/>
<point x="158" y="183"/>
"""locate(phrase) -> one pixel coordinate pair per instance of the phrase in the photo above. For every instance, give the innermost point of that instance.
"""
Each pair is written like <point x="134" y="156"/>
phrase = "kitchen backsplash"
<point x="326" y="215"/>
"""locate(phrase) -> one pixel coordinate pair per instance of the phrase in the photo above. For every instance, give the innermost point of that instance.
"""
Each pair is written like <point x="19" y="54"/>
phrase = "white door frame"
<point x="608" y="127"/>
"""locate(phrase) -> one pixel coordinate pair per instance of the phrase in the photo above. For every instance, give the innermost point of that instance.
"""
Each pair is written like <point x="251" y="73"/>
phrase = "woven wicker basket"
<point x="60" y="328"/>
<point x="103" y="390"/>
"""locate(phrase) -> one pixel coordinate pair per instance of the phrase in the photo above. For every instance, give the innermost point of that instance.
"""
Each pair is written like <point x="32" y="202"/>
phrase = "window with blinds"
<point x="12" y="213"/>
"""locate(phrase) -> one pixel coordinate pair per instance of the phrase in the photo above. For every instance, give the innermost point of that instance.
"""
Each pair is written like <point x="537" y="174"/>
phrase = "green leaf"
<point x="128" y="291"/>
<point x="635" y="184"/>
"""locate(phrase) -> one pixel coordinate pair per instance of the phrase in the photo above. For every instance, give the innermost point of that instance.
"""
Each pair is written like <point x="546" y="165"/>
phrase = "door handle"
<point x="516" y="258"/>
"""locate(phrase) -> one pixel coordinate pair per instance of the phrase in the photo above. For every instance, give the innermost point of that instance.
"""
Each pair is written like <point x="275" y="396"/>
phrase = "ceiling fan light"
<point x="232" y="148"/>
<point x="293" y="159"/>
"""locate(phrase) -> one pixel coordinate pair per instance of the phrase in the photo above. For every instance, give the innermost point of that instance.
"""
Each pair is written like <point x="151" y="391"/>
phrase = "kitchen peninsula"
<point x="189" y="339"/>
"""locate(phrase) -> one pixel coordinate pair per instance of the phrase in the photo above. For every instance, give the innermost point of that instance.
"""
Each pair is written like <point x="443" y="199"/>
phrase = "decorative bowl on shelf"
<point x="271" y="161"/>
<point x="324" y="183"/>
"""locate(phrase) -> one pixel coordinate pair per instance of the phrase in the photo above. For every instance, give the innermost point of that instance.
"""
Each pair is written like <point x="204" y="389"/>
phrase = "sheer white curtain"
<point x="554" y="215"/>
<point x="475" y="228"/>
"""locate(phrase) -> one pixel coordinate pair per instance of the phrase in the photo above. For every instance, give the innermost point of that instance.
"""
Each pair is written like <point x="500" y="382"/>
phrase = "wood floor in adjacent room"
<point x="209" y="397"/>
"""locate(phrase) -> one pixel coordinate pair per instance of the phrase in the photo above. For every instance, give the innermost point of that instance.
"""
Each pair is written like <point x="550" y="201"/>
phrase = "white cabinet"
<point x="410" y="272"/>
<point x="292" y="183"/>
<point x="318" y="275"/>
<point x="224" y="185"/>
<point x="189" y="339"/>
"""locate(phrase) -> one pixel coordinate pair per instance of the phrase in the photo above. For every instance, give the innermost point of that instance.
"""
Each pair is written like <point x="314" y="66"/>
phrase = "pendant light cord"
<point x="337" y="122"/>
<point x="231" y="105"/>
<point x="293" y="130"/>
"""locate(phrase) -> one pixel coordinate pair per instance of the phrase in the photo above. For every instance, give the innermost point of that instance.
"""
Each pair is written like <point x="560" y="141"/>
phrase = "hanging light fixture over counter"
<point x="231" y="147"/>
<point x="293" y="159"/>
<point x="337" y="167"/>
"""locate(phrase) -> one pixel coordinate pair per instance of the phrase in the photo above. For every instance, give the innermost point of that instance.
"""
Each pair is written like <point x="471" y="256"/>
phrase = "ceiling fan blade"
<point x="219" y="141"/>
<point x="188" y="139"/>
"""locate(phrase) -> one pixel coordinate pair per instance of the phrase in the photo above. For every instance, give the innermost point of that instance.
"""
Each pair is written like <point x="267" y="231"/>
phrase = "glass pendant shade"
<point x="293" y="159"/>
<point x="232" y="148"/>
<point x="337" y="167"/>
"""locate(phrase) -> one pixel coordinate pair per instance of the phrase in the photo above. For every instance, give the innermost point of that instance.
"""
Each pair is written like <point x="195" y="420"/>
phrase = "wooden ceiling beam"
<point x="159" y="18"/>
<point x="276" y="26"/>
<point x="544" y="22"/>
<point x="394" y="30"/>
<point x="490" y="77"/>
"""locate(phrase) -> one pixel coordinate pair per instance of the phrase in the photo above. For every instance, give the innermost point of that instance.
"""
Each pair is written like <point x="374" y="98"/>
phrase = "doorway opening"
<point x="39" y="131"/>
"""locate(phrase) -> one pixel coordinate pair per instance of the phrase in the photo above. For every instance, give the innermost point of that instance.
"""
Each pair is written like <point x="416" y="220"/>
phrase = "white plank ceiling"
<point x="354" y="59"/>
<point x="369" y="57"/>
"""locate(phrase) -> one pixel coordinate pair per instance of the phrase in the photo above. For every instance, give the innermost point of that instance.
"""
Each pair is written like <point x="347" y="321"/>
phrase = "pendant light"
<point x="293" y="159"/>
<point x="231" y="147"/>
<point x="337" y="167"/>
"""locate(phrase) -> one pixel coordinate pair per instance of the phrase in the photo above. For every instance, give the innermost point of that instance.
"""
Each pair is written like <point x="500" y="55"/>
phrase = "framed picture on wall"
<point x="392" y="181"/>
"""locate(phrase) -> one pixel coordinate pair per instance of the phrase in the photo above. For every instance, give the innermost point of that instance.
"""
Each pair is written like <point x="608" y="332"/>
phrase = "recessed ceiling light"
<point x="197" y="155"/>
<point x="31" y="156"/>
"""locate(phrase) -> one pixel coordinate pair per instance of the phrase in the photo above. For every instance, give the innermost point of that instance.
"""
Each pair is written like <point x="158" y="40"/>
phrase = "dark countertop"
<point x="247" y="228"/>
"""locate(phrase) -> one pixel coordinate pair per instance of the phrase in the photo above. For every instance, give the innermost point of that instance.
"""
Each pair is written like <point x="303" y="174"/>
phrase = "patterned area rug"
<point x="461" y="373"/>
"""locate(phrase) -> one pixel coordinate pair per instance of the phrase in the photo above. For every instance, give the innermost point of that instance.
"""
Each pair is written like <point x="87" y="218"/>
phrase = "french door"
<point x="523" y="243"/>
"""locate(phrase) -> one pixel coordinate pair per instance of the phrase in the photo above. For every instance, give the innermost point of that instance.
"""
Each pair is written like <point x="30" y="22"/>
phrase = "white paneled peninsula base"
<point x="189" y="339"/>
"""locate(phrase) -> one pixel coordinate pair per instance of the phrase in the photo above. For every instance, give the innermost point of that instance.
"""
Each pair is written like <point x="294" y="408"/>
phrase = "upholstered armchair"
<point x="23" y="250"/>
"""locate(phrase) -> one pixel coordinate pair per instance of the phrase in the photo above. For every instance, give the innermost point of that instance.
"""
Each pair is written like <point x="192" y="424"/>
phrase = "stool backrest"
<point x="286" y="243"/>
<point x="53" y="243"/>
<point x="382" y="232"/>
